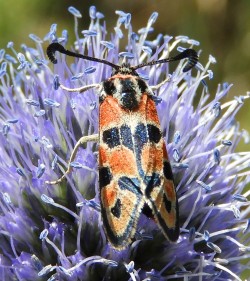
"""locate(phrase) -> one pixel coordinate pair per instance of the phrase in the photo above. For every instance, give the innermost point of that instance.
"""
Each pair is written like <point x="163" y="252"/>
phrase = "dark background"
<point x="222" y="27"/>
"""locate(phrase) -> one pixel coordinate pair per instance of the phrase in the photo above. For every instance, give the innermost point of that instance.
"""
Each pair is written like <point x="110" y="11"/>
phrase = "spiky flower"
<point x="56" y="232"/>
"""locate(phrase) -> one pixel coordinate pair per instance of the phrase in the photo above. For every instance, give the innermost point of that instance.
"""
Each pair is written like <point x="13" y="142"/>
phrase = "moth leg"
<point x="81" y="89"/>
<point x="81" y="141"/>
<point x="156" y="87"/>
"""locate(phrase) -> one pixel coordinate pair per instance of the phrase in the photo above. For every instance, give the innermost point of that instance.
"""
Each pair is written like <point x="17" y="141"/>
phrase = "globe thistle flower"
<point x="56" y="232"/>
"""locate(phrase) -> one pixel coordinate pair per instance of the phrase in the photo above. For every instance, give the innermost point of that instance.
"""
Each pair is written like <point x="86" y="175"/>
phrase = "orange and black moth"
<point x="135" y="174"/>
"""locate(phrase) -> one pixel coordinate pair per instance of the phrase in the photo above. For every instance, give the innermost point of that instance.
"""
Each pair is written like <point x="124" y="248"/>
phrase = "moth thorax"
<point x="128" y="100"/>
<point x="129" y="94"/>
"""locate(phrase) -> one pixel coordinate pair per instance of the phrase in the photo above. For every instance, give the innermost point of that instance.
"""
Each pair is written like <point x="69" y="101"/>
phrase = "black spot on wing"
<point x="126" y="136"/>
<point x="116" y="210"/>
<point x="147" y="211"/>
<point x="167" y="203"/>
<point x="105" y="176"/>
<point x="111" y="137"/>
<point x="119" y="241"/>
<point x="167" y="170"/>
<point x="154" y="133"/>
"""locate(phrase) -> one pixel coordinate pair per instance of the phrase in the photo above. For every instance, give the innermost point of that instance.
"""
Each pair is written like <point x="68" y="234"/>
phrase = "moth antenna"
<point x="53" y="47"/>
<point x="191" y="54"/>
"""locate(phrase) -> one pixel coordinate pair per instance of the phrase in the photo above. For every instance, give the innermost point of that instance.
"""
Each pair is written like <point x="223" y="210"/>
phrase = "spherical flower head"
<point x="55" y="232"/>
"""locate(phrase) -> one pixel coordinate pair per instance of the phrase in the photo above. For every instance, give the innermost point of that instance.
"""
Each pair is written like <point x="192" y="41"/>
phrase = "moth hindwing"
<point x="134" y="168"/>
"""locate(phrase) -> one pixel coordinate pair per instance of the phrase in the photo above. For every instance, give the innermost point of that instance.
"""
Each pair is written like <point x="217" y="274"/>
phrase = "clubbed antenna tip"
<point x="53" y="47"/>
<point x="190" y="54"/>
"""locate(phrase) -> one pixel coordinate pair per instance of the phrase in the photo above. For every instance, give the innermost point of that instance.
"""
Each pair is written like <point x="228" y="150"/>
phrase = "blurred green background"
<point x="221" y="26"/>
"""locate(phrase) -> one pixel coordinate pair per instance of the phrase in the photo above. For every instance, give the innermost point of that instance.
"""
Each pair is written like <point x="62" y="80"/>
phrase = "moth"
<point x="135" y="174"/>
